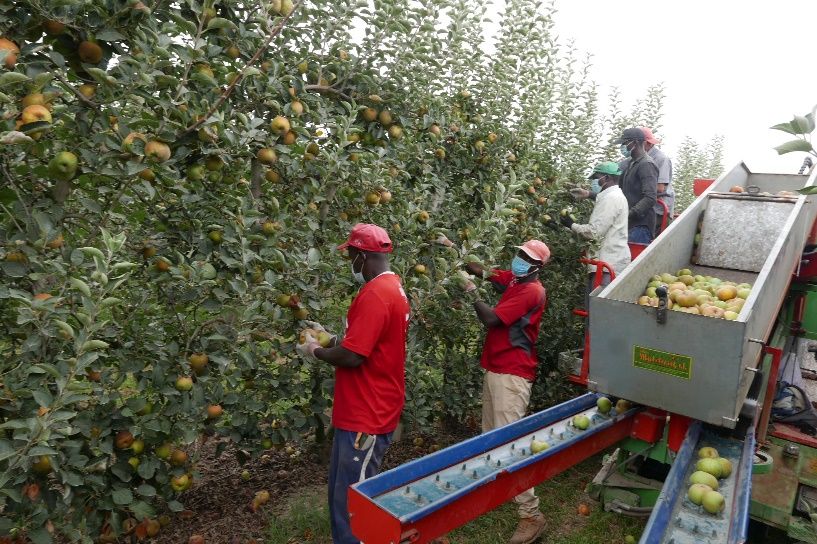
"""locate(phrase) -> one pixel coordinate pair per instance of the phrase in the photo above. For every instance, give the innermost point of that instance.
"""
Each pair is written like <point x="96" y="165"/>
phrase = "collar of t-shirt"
<point x="633" y="162"/>
<point x="607" y="192"/>
<point x="387" y="272"/>
<point x="516" y="281"/>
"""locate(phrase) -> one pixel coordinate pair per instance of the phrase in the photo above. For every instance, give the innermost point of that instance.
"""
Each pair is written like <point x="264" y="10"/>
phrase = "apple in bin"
<point x="726" y="467"/>
<point x="708" y="451"/>
<point x="581" y="422"/>
<point x="700" y="477"/>
<point x="537" y="446"/>
<point x="604" y="405"/>
<point x="713" y="502"/>
<point x="712" y="466"/>
<point x="696" y="493"/>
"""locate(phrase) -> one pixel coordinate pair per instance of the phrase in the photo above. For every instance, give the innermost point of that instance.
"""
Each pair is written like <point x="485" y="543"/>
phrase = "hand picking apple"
<point x="324" y="338"/>
<point x="307" y="345"/>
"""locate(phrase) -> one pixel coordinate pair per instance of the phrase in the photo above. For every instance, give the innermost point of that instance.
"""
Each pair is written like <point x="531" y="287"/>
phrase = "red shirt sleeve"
<point x="501" y="277"/>
<point x="366" y="323"/>
<point x="512" y="308"/>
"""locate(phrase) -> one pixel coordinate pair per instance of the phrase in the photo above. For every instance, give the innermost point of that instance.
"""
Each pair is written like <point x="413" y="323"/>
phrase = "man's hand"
<point x="549" y="222"/>
<point x="322" y="332"/>
<point x="307" y="347"/>
<point x="474" y="268"/>
<point x="566" y="220"/>
<point x="470" y="289"/>
<point x="579" y="194"/>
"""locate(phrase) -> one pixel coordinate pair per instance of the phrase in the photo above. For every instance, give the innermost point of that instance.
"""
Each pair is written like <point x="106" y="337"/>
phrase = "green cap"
<point x="607" y="168"/>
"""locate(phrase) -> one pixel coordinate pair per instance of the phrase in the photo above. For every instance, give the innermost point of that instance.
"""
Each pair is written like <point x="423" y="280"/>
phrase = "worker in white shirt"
<point x="607" y="227"/>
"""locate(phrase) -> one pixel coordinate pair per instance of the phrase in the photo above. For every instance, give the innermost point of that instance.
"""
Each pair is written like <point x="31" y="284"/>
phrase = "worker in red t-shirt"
<point x="509" y="356"/>
<point x="369" y="371"/>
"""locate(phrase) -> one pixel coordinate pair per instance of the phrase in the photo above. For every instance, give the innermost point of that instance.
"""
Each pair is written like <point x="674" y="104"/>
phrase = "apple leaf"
<point x="10" y="78"/>
<point x="40" y="536"/>
<point x="122" y="496"/>
<point x="801" y="124"/>
<point x="99" y="75"/>
<point x="146" y="490"/>
<point x="784" y="127"/>
<point x="142" y="510"/>
<point x="7" y="196"/>
<point x="794" y="145"/>
<point x="219" y="22"/>
<point x="109" y="35"/>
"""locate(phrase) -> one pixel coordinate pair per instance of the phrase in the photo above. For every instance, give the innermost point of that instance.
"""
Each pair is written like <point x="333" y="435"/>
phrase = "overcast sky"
<point x="730" y="67"/>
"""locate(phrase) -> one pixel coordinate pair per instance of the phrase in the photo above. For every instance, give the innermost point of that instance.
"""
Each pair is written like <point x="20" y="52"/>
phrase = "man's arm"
<point x="486" y="315"/>
<point x="662" y="190"/>
<point x="664" y="174"/>
<point x="340" y="356"/>
<point x="601" y="220"/>
<point x="479" y="271"/>
<point x="648" y="176"/>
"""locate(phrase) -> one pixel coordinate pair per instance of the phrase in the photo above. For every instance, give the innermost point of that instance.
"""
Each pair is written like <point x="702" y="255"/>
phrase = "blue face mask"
<point x="358" y="276"/>
<point x="520" y="267"/>
<point x="625" y="152"/>
<point x="595" y="188"/>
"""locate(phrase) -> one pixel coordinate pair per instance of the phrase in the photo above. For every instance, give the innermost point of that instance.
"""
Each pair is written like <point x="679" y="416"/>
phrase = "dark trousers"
<point x="640" y="235"/>
<point x="349" y="465"/>
<point x="658" y="218"/>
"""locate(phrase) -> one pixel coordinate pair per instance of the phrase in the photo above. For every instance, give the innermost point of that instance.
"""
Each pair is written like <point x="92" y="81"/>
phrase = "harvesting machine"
<point x="692" y="381"/>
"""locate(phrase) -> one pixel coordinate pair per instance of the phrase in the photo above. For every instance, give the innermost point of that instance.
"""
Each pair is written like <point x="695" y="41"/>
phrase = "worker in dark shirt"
<point x="639" y="183"/>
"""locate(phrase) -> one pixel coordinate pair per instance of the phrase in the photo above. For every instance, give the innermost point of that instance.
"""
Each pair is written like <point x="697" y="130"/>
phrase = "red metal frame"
<point x="664" y="217"/>
<point x="379" y="527"/>
<point x="787" y="432"/>
<point x="678" y="427"/>
<point x="649" y="425"/>
<point x="581" y="379"/>
<point x="771" y="385"/>
<point x="699" y="185"/>
<point x="636" y="249"/>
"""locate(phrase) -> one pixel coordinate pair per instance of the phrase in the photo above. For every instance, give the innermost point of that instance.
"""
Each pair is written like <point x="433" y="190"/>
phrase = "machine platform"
<point x="426" y="498"/>
<point x="702" y="367"/>
<point x="677" y="520"/>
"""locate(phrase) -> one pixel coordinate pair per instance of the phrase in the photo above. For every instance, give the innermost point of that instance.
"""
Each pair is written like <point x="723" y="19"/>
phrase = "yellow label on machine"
<point x="673" y="364"/>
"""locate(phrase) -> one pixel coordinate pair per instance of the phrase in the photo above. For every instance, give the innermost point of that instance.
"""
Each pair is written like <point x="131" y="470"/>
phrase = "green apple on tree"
<point x="63" y="166"/>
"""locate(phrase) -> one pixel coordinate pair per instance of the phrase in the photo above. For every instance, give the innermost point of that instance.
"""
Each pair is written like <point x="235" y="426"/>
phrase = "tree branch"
<point x="229" y="90"/>
<point x="189" y="65"/>
<point x="324" y="89"/>
<point x="76" y="92"/>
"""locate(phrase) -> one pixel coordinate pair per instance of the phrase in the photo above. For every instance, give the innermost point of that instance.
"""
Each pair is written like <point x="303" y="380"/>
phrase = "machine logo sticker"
<point x="673" y="364"/>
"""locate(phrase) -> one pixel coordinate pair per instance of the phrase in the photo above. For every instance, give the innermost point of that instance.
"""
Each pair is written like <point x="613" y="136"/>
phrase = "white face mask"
<point x="358" y="276"/>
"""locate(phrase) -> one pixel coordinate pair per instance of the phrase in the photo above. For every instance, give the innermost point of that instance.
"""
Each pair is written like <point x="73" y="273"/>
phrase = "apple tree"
<point x="175" y="178"/>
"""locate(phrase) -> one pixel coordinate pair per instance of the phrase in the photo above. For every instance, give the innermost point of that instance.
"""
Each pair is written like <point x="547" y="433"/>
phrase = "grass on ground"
<point x="305" y="520"/>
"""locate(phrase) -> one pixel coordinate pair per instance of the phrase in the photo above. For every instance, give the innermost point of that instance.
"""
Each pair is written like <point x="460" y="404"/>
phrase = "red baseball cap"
<point x="536" y="250"/>
<point x="649" y="137"/>
<point x="368" y="237"/>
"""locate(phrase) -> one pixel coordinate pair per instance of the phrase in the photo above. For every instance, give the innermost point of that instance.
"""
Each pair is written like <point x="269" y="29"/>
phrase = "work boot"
<point x="529" y="529"/>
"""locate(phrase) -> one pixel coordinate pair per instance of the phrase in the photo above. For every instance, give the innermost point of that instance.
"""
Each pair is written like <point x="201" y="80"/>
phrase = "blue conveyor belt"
<point x="676" y="520"/>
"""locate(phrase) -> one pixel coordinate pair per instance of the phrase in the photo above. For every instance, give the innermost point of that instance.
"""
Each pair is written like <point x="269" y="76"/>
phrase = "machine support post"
<point x="766" y="411"/>
<point x="601" y="266"/>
